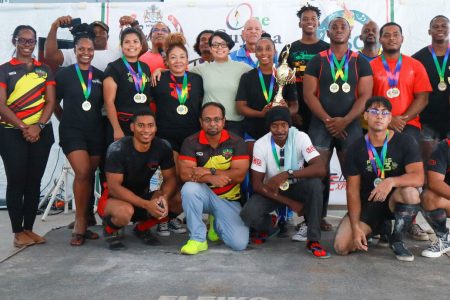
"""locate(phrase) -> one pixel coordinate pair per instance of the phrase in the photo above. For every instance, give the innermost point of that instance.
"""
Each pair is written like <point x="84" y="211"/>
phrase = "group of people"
<point x="223" y="147"/>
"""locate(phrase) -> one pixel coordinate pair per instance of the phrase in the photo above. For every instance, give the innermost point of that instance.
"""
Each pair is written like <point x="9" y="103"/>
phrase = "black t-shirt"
<point x="340" y="103"/>
<point x="402" y="150"/>
<point x="137" y="167"/>
<point x="437" y="113"/>
<point x="170" y="123"/>
<point x="68" y="89"/>
<point x="250" y="90"/>
<point x="440" y="160"/>
<point x="125" y="85"/>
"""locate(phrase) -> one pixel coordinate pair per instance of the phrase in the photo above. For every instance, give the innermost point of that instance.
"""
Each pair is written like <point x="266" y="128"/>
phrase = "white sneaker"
<point x="175" y="226"/>
<point x="301" y="235"/>
<point x="437" y="248"/>
<point x="163" y="229"/>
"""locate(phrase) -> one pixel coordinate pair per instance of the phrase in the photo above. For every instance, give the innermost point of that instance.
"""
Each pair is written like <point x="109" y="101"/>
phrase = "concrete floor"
<point x="278" y="269"/>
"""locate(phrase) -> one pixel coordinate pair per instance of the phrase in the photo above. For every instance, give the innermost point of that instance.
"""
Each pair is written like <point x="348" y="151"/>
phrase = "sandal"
<point x="90" y="235"/>
<point x="77" y="239"/>
<point x="325" y="226"/>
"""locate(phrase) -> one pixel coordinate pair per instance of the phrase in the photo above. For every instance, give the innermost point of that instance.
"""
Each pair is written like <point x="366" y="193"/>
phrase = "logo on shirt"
<point x="310" y="149"/>
<point x="40" y="72"/>
<point x="97" y="81"/>
<point x="12" y="73"/>
<point x="431" y="162"/>
<point x="199" y="153"/>
<point x="389" y="165"/>
<point x="152" y="165"/>
<point x="227" y="153"/>
<point x="257" y="161"/>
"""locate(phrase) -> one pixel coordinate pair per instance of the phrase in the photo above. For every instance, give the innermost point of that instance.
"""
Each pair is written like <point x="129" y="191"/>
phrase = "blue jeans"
<point x="198" y="198"/>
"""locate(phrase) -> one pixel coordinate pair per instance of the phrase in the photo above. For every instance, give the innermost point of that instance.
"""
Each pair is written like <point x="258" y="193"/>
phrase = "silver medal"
<point x="334" y="87"/>
<point x="377" y="181"/>
<point x="442" y="86"/>
<point x="137" y="98"/>
<point x="284" y="186"/>
<point x="86" y="105"/>
<point x="346" y="87"/>
<point x="182" y="109"/>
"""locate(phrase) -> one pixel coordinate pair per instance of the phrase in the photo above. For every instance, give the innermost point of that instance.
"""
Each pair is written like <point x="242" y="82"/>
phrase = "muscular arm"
<point x="168" y="187"/>
<point x="437" y="184"/>
<point x="417" y="105"/>
<point x="354" y="200"/>
<point x="51" y="51"/>
<point x="310" y="86"/>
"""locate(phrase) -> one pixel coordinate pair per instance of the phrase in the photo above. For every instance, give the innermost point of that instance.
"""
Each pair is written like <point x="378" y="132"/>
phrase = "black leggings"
<point x="24" y="167"/>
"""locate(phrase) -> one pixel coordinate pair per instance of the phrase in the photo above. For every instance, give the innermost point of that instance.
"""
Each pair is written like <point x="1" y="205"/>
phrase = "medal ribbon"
<point x="86" y="91"/>
<point x="275" y="154"/>
<point x="342" y="65"/>
<point x="440" y="70"/>
<point x="267" y="96"/>
<point x="139" y="83"/>
<point x="375" y="158"/>
<point x="183" y="93"/>
<point x="392" y="78"/>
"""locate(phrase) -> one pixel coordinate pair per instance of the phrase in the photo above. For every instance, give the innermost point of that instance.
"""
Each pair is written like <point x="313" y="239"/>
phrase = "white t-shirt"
<point x="101" y="57"/>
<point x="264" y="162"/>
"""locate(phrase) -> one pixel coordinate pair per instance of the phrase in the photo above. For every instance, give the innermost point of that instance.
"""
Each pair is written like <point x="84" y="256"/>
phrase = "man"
<point x="250" y="34"/>
<point x="154" y="58"/>
<point x="436" y="198"/>
<point x="337" y="83"/>
<point x="130" y="163"/>
<point x="279" y="178"/>
<point x="435" y="117"/>
<point x="383" y="174"/>
<point x="213" y="163"/>
<point x="201" y="47"/>
<point x="370" y="38"/>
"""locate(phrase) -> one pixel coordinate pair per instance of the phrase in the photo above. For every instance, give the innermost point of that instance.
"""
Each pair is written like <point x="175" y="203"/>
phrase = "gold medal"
<point x="182" y="109"/>
<point x="284" y="186"/>
<point x="393" y="93"/>
<point x="346" y="87"/>
<point x="334" y="88"/>
<point x="86" y="105"/>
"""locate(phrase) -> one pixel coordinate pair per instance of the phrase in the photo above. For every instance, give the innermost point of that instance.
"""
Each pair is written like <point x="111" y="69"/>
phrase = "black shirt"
<point x="125" y="85"/>
<point x="340" y="103"/>
<point x="437" y="113"/>
<point x="170" y="123"/>
<point x="250" y="90"/>
<point x="137" y="167"/>
<point x="402" y="150"/>
<point x="68" y="88"/>
<point x="440" y="160"/>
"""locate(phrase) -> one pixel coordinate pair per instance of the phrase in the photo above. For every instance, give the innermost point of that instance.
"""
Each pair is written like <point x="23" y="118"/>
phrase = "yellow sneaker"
<point x="212" y="234"/>
<point x="193" y="247"/>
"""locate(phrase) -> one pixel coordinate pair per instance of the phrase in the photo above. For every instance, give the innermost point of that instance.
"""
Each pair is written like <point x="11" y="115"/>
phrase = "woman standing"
<point x="80" y="130"/>
<point x="27" y="101"/>
<point x="125" y="87"/>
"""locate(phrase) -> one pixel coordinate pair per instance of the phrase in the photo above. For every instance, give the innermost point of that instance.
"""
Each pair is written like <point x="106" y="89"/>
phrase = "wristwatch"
<point x="290" y="174"/>
<point x="213" y="171"/>
<point x="41" y="125"/>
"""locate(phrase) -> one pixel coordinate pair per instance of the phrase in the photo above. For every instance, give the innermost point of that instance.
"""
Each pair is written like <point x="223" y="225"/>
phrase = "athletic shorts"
<point x="414" y="132"/>
<point x="71" y="139"/>
<point x="139" y="214"/>
<point x="323" y="140"/>
<point x="374" y="213"/>
<point x="430" y="134"/>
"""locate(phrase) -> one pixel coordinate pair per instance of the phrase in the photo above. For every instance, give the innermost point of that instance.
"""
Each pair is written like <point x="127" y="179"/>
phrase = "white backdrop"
<point x="191" y="16"/>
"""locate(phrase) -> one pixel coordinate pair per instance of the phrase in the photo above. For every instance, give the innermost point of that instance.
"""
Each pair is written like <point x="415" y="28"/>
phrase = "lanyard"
<point x="440" y="70"/>
<point x="333" y="61"/>
<point x="183" y="93"/>
<point x="376" y="161"/>
<point x="139" y="83"/>
<point x="278" y="160"/>
<point x="267" y="96"/>
<point x="392" y="78"/>
<point x="86" y="91"/>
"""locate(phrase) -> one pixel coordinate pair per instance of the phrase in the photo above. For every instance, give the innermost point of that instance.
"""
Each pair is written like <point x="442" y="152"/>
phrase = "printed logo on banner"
<point x="337" y="182"/>
<point x="154" y="14"/>
<point x="238" y="15"/>
<point x="355" y="18"/>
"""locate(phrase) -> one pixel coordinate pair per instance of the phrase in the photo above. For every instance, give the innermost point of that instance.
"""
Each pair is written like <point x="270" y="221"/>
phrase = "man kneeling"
<point x="383" y="173"/>
<point x="279" y="179"/>
<point x="130" y="163"/>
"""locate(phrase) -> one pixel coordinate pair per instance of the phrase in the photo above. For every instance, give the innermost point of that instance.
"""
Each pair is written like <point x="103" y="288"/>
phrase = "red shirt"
<point x="153" y="60"/>
<point x="413" y="79"/>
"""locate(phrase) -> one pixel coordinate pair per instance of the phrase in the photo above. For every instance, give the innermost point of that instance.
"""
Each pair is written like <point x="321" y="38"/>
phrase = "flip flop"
<point x="77" y="239"/>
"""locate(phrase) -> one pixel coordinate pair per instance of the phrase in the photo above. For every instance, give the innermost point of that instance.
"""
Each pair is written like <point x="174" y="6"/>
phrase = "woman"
<point x="80" y="130"/>
<point x="257" y="88"/>
<point x="27" y="101"/>
<point x="125" y="87"/>
<point x="178" y="98"/>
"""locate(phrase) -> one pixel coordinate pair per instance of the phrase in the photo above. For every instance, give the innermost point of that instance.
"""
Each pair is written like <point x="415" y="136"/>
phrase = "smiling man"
<point x="383" y="174"/>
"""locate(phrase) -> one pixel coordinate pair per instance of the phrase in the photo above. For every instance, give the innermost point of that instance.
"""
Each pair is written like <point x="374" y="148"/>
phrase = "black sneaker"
<point x="401" y="252"/>
<point x="283" y="230"/>
<point x="114" y="240"/>
<point x="147" y="237"/>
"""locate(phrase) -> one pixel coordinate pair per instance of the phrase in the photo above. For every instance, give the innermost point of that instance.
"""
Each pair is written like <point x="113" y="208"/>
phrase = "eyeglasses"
<point x="22" y="41"/>
<point x="282" y="157"/>
<point x="375" y="112"/>
<point x="219" y="45"/>
<point x="210" y="120"/>
<point x="162" y="30"/>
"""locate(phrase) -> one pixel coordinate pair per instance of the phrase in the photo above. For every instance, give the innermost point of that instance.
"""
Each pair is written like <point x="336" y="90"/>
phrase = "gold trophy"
<point x="285" y="75"/>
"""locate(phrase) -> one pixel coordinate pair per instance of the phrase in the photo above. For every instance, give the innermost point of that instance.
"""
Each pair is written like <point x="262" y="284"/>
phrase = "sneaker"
<point x="283" y="229"/>
<point x="212" y="234"/>
<point x="175" y="226"/>
<point x="193" y="247"/>
<point x="401" y="252"/>
<point x="147" y="237"/>
<point x="316" y="249"/>
<point x="437" y="248"/>
<point x="416" y="232"/>
<point x="163" y="229"/>
<point x="114" y="240"/>
<point x="385" y="234"/>
<point x="301" y="235"/>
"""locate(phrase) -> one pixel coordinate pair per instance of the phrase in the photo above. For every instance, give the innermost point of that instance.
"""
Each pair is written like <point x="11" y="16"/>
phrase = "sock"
<point x="404" y="215"/>
<point x="437" y="219"/>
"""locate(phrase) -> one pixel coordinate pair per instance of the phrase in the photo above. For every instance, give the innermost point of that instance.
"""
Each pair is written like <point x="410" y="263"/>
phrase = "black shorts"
<point x="414" y="132"/>
<point x="431" y="134"/>
<point x="71" y="139"/>
<point x="323" y="140"/>
<point x="375" y="213"/>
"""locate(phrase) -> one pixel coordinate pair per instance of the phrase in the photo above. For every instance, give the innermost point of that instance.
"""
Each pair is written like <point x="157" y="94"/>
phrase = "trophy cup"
<point x="284" y="76"/>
